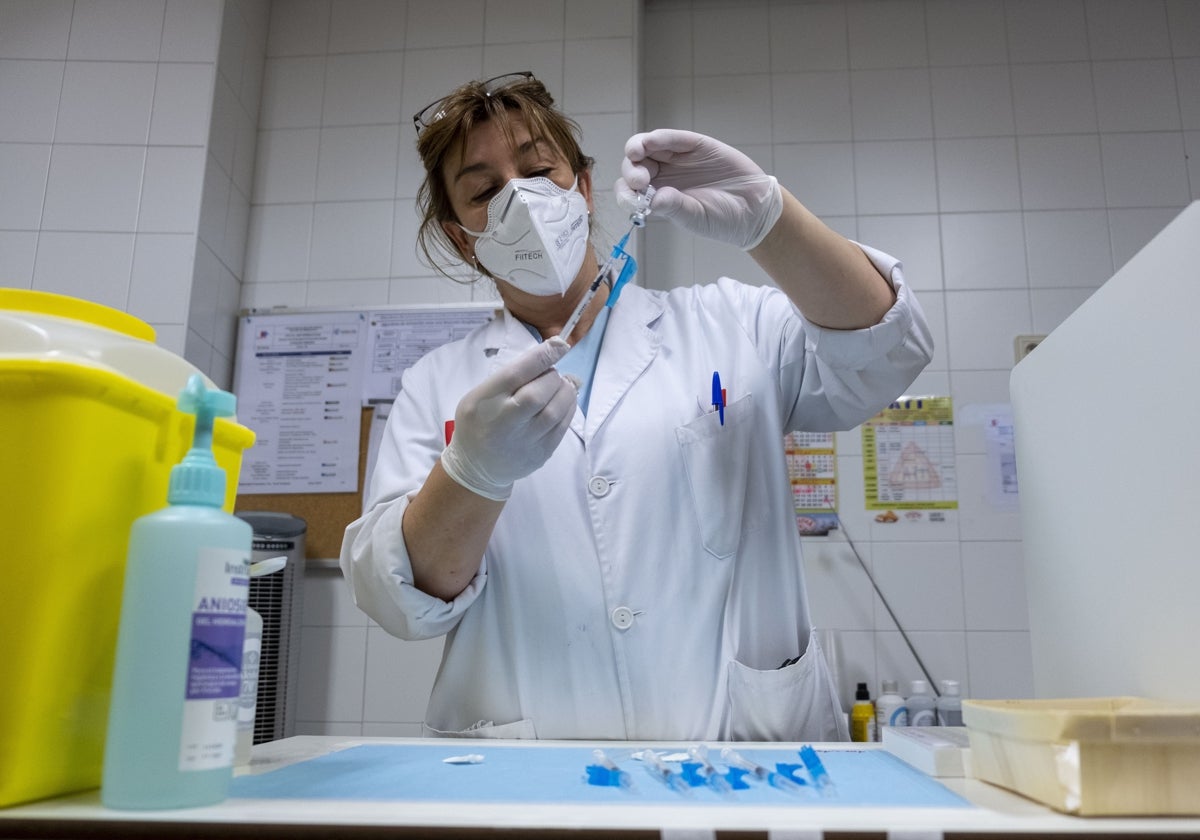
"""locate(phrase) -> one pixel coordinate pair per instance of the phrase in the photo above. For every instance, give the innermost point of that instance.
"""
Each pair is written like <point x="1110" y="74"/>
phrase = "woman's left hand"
<point x="704" y="185"/>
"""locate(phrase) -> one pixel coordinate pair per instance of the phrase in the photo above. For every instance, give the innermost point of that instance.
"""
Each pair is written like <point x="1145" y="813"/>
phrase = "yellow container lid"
<point x="43" y="325"/>
<point x="77" y="309"/>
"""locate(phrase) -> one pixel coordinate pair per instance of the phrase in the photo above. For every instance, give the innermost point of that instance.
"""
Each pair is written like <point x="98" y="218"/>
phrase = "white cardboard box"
<point x="942" y="751"/>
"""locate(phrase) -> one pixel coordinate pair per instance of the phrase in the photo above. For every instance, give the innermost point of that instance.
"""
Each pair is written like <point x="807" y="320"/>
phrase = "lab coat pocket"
<point x="523" y="729"/>
<point x="795" y="703"/>
<point x="717" y="463"/>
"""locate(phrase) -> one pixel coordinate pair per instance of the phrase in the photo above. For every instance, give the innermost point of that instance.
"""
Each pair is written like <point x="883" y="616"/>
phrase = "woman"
<point x="611" y="551"/>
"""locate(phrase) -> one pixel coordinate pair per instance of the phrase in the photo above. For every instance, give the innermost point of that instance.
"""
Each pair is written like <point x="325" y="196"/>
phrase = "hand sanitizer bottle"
<point x="173" y="709"/>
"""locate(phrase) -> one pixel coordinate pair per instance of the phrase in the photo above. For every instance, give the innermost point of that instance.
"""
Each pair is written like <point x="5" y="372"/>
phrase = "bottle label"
<point x="949" y="717"/>
<point x="890" y="713"/>
<point x="215" y="660"/>
<point x="248" y="697"/>
<point x="921" y="717"/>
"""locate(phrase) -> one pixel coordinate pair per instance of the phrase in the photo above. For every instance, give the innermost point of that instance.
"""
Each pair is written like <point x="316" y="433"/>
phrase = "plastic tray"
<point x="1090" y="756"/>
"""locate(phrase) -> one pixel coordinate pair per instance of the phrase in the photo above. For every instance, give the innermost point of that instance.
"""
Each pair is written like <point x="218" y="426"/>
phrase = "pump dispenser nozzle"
<point x="197" y="480"/>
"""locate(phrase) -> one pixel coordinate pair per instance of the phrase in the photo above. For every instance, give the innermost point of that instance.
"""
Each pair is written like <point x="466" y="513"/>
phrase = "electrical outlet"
<point x="1023" y="345"/>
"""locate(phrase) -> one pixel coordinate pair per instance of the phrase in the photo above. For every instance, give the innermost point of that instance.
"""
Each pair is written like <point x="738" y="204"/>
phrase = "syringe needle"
<point x="591" y="292"/>
<point x="636" y="219"/>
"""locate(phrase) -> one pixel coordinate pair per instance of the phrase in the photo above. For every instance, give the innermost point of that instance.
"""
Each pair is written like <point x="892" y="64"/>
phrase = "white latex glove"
<point x="508" y="425"/>
<point x="703" y="185"/>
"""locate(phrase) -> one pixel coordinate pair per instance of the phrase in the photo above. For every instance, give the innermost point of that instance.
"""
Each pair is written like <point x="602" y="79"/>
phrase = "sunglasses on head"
<point x="435" y="110"/>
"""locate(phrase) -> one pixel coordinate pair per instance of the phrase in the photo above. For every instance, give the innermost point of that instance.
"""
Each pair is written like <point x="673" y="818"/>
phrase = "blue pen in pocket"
<point x="718" y="396"/>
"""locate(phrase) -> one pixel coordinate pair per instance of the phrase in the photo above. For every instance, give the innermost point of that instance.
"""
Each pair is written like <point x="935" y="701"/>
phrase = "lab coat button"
<point x="622" y="618"/>
<point x="598" y="485"/>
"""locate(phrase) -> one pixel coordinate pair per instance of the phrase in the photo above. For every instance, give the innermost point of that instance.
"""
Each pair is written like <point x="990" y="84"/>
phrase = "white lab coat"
<point x="646" y="582"/>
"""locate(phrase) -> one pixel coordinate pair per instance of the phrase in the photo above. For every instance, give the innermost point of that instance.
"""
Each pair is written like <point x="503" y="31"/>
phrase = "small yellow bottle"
<point x="862" y="716"/>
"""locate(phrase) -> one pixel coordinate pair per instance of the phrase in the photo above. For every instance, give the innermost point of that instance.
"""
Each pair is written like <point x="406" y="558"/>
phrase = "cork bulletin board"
<point x="327" y="514"/>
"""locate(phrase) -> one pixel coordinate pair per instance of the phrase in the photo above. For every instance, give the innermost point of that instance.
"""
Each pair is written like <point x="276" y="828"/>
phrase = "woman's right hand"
<point x="510" y="424"/>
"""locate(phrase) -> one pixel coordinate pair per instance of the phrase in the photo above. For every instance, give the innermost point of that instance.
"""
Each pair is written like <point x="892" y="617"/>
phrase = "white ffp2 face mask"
<point x="536" y="235"/>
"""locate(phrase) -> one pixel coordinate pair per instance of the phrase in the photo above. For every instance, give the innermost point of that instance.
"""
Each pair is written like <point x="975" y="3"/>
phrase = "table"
<point x="995" y="812"/>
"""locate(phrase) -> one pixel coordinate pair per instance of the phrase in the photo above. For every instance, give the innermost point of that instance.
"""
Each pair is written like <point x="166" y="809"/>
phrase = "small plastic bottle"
<point x="248" y="697"/>
<point x="251" y="656"/>
<point x="173" y="710"/>
<point x="889" y="707"/>
<point x="920" y="705"/>
<point x="862" y="715"/>
<point x="949" y="705"/>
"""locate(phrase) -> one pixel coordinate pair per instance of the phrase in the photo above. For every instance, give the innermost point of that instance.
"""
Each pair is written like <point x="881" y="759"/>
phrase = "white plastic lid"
<point x="48" y="326"/>
<point x="919" y="687"/>
<point x="950" y="687"/>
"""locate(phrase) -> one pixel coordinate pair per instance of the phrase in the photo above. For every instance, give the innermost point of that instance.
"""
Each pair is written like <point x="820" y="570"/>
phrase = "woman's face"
<point x="488" y="162"/>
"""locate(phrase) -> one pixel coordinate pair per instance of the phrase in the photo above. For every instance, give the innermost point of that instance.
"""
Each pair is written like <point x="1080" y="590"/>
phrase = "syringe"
<point x="606" y="772"/>
<point x="774" y="779"/>
<point x="658" y="768"/>
<point x="711" y="775"/>
<point x="816" y="769"/>
<point x="637" y="219"/>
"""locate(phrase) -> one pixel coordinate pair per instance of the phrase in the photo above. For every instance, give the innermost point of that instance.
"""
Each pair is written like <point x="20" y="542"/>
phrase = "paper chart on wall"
<point x="397" y="338"/>
<point x="1001" y="458"/>
<point x="299" y="387"/>
<point x="302" y="377"/>
<point x="990" y="426"/>
<point x="812" y="470"/>
<point x="908" y="459"/>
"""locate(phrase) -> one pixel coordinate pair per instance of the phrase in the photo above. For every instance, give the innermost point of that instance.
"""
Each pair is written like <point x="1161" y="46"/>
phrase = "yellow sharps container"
<point x="88" y="434"/>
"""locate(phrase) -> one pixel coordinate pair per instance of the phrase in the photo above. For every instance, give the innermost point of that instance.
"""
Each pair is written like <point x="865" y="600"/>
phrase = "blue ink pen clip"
<point x="718" y="397"/>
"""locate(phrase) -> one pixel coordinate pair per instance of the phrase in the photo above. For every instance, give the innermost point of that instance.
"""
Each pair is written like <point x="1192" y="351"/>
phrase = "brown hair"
<point x="466" y="107"/>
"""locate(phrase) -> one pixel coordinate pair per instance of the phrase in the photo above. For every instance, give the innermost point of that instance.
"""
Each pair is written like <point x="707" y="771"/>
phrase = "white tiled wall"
<point x="332" y="217"/>
<point x="92" y="155"/>
<point x="1013" y="152"/>
<point x="119" y="179"/>
<point x="229" y="164"/>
